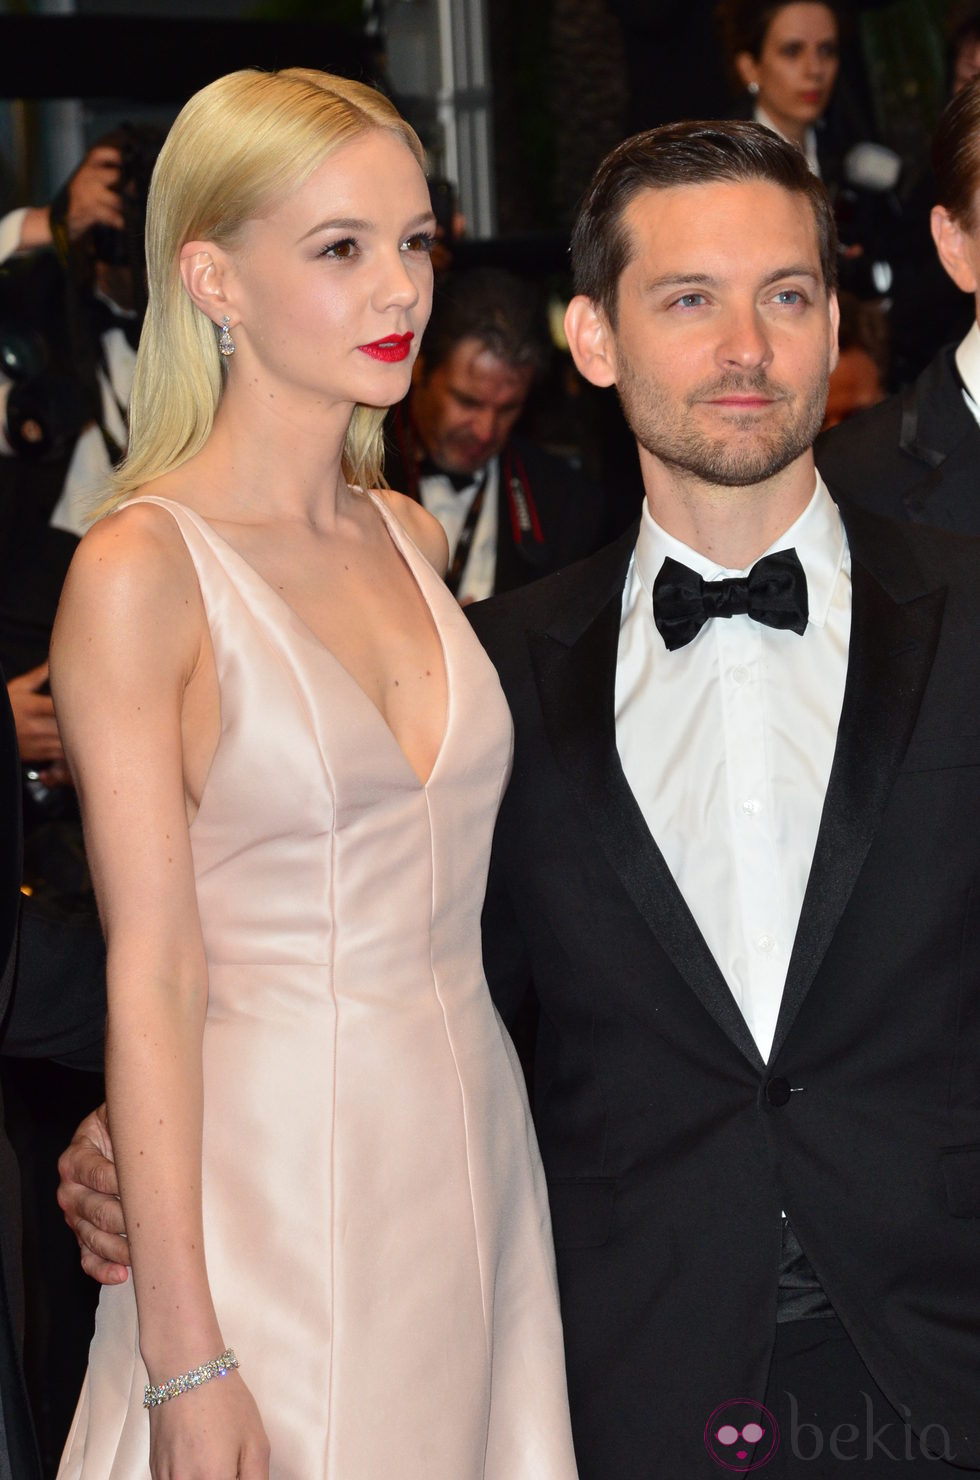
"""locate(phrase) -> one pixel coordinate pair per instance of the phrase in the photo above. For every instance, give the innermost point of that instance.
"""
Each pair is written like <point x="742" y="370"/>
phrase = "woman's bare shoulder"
<point x="136" y="544"/>
<point x="132" y="575"/>
<point x="421" y="526"/>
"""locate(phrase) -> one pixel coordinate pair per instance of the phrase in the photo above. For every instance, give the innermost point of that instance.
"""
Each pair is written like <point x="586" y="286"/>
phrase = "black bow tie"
<point x="773" y="592"/>
<point x="460" y="481"/>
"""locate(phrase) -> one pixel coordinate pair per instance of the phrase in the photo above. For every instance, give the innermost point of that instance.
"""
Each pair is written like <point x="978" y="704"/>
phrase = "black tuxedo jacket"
<point x="571" y="510"/>
<point x="916" y="456"/>
<point x="670" y="1147"/>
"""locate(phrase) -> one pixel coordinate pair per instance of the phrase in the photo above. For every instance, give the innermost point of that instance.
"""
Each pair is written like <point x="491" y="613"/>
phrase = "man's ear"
<point x="204" y="270"/>
<point x="590" y="340"/>
<point x="834" y="310"/>
<point x="955" y="249"/>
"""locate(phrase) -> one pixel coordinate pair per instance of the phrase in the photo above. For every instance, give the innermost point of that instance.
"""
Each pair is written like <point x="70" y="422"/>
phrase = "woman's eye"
<point x="340" y="251"/>
<point x="419" y="241"/>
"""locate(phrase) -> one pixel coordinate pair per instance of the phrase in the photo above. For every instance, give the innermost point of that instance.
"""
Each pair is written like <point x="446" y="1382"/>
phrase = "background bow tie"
<point x="773" y="592"/>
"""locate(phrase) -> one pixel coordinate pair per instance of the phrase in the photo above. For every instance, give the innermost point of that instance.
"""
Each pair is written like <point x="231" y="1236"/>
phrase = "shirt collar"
<point x="817" y="537"/>
<point x="968" y="364"/>
<point x="809" y="139"/>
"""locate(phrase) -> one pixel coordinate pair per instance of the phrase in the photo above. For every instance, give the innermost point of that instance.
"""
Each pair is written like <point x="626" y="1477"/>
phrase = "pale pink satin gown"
<point x="376" y="1219"/>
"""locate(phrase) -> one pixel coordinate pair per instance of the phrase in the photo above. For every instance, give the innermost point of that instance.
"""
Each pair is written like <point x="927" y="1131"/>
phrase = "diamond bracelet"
<point x="218" y="1367"/>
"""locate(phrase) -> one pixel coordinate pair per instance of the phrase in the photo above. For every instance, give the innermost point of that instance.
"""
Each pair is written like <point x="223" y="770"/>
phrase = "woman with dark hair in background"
<point x="785" y="57"/>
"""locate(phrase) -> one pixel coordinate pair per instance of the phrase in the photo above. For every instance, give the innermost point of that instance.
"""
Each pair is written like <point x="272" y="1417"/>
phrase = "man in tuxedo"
<point x="917" y="455"/>
<point x="511" y="511"/>
<point x="737" y="865"/>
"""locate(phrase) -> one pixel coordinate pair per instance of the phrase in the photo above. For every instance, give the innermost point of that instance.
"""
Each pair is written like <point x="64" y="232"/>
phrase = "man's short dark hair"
<point x="684" y="154"/>
<point x="956" y="154"/>
<point x="490" y="305"/>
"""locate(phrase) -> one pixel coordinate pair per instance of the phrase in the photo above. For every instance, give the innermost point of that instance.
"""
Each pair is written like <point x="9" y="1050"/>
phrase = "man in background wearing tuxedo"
<point x="737" y="866"/>
<point x="917" y="455"/>
<point x="511" y="511"/>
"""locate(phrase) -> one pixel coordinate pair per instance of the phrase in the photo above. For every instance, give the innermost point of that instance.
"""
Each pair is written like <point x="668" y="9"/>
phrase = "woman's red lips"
<point x="394" y="347"/>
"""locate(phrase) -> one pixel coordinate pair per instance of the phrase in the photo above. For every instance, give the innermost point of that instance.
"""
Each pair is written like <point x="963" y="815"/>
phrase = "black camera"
<point x="138" y="145"/>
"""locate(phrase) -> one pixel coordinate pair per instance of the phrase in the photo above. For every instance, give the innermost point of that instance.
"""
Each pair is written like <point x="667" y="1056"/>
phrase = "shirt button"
<point x="766" y="944"/>
<point x="751" y="806"/>
<point x="740" y="673"/>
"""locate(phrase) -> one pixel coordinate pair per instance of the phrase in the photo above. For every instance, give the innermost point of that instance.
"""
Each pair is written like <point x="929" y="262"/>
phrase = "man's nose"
<point x="483" y="423"/>
<point x="744" y="342"/>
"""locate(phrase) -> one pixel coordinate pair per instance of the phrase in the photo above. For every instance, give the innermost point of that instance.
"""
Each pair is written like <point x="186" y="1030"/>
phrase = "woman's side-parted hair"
<point x="695" y="153"/>
<point x="238" y="145"/>
<point x="956" y="155"/>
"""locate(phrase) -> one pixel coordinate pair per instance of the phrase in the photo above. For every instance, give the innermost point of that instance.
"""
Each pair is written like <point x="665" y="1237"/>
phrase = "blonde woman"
<point x="289" y="751"/>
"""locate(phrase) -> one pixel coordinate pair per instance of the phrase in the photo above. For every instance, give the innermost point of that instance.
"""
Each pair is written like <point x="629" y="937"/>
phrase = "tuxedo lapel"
<point x="574" y="663"/>
<point x="946" y="495"/>
<point x="894" y="631"/>
<point x="939" y="432"/>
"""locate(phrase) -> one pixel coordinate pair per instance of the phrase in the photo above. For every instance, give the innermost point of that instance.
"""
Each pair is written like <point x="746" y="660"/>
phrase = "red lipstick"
<point x="394" y="347"/>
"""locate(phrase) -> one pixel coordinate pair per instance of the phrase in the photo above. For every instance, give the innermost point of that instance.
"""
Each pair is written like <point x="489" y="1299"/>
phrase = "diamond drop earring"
<point x="226" y="345"/>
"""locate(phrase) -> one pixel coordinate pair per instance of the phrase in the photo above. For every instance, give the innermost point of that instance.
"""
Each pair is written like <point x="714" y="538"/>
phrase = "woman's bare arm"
<point x="129" y="640"/>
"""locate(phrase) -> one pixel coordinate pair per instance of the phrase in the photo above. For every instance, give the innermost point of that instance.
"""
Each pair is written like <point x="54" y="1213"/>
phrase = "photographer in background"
<point x="71" y="309"/>
<point x="72" y="296"/>
<point x="511" y="510"/>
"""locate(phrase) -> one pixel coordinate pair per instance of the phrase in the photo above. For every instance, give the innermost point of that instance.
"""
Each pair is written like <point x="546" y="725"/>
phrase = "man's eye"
<point x="789" y="296"/>
<point x="690" y="300"/>
<point x="419" y="241"/>
<point x="340" y="251"/>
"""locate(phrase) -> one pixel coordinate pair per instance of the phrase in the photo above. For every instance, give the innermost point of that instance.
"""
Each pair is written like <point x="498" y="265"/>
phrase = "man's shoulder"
<point x="846" y="453"/>
<point x="877" y="427"/>
<point x="572" y="592"/>
<point x="910" y="552"/>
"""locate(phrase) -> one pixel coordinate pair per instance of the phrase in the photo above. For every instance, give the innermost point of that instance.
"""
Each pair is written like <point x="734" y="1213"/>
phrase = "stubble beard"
<point x="666" y="428"/>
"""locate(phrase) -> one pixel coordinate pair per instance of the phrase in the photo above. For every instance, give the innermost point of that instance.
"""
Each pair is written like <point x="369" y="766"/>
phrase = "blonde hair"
<point x="236" y="146"/>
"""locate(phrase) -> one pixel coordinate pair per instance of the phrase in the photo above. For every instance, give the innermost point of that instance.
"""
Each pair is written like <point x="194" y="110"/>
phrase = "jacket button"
<point x="778" y="1092"/>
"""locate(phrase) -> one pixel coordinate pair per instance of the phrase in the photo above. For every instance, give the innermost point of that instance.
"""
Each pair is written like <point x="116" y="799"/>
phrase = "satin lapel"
<point x="576" y="683"/>
<point x="939" y="432"/>
<point x="890" y="655"/>
<point x="947" y="495"/>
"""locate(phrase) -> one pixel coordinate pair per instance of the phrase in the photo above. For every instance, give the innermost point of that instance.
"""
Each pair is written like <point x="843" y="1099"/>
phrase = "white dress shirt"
<point x="11" y="226"/>
<point x="451" y="508"/>
<point x="968" y="364"/>
<point x="727" y="745"/>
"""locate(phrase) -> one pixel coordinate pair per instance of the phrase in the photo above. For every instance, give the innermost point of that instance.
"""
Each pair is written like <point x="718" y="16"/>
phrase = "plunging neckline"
<point x="397" y="536"/>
